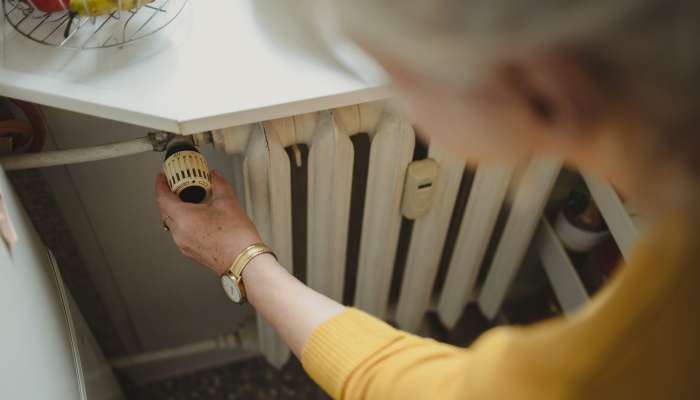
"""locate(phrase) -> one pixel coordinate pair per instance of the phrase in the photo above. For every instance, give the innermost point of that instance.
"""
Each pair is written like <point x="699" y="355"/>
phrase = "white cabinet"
<point x="47" y="350"/>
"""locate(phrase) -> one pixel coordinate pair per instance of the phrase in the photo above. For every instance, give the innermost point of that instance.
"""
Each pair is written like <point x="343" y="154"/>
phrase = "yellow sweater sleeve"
<point x="356" y="356"/>
<point x="351" y="356"/>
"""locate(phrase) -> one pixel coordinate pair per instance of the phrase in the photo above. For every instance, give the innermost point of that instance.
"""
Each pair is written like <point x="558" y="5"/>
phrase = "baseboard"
<point x="152" y="372"/>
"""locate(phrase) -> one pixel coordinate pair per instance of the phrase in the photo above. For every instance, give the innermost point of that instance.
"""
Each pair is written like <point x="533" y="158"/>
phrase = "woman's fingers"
<point x="167" y="200"/>
<point x="169" y="205"/>
<point x="163" y="199"/>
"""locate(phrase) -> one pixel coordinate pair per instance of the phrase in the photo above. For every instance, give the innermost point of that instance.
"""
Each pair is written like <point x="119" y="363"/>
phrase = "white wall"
<point x="157" y="297"/>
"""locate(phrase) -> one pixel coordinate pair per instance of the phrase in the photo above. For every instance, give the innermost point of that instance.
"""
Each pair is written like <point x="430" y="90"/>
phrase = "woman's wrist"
<point x="293" y="309"/>
<point x="262" y="273"/>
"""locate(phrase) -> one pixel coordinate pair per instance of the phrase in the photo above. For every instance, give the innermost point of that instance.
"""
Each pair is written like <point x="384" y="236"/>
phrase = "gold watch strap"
<point x="246" y="256"/>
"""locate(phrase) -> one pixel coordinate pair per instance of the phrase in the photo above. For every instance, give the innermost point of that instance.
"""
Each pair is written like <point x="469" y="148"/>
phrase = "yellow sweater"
<point x="637" y="339"/>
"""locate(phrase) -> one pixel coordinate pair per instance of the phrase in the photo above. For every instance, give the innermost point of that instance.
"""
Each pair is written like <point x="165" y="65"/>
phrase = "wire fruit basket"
<point x="117" y="26"/>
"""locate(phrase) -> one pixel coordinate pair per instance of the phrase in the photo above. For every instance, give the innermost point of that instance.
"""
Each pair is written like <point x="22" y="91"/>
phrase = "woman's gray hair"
<point x="642" y="53"/>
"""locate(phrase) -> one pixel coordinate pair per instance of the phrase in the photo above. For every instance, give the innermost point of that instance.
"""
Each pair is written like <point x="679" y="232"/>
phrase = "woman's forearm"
<point x="292" y="308"/>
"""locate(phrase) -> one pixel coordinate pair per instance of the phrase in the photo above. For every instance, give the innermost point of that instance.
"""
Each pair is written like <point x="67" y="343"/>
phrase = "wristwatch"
<point x="232" y="280"/>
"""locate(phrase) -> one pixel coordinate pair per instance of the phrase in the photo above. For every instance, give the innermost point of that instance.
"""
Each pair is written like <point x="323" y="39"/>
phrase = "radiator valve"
<point x="186" y="170"/>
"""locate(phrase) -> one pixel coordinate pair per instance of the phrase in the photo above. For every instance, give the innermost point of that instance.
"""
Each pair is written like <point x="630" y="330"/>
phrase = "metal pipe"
<point x="155" y="141"/>
<point x="76" y="156"/>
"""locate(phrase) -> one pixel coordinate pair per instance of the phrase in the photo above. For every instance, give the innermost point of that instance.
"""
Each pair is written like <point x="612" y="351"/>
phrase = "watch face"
<point x="231" y="288"/>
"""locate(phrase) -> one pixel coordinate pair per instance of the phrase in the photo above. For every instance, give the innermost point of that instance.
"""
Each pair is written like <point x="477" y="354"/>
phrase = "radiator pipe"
<point x="155" y="141"/>
<point x="76" y="156"/>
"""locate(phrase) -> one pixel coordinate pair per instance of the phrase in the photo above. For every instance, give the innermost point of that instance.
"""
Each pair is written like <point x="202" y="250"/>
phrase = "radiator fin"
<point x="268" y="196"/>
<point x="427" y="241"/>
<point x="488" y="191"/>
<point x="390" y="152"/>
<point x="330" y="185"/>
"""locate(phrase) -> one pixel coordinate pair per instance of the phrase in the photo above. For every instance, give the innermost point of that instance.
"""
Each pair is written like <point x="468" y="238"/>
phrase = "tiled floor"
<point x="249" y="380"/>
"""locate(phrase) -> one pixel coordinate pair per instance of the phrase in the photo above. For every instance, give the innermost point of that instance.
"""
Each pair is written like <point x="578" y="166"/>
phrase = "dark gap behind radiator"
<point x="299" y="181"/>
<point x="361" y="143"/>
<point x="460" y="207"/>
<point x="493" y="244"/>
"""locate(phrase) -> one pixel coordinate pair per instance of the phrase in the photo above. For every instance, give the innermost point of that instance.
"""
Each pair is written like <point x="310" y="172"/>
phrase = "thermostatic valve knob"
<point x="187" y="172"/>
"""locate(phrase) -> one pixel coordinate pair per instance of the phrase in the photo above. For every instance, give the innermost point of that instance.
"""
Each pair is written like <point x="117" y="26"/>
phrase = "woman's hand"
<point x="211" y="233"/>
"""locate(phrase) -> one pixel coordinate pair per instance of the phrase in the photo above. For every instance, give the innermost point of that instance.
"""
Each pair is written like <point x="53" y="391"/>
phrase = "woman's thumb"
<point x="219" y="187"/>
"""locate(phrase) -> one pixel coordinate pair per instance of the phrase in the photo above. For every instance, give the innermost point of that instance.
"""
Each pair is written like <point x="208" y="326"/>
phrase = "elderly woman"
<point x="612" y="86"/>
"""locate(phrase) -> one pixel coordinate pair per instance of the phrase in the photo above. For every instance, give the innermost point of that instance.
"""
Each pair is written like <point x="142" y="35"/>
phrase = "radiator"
<point x="265" y="178"/>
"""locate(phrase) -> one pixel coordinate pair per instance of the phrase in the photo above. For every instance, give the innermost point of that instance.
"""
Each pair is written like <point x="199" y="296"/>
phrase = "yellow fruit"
<point x="102" y="7"/>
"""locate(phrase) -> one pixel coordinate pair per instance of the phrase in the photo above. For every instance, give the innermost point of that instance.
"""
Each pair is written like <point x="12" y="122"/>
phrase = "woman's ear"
<point x="561" y="99"/>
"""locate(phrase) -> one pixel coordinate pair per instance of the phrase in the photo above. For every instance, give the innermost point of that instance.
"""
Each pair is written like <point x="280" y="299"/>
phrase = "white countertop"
<point x="213" y="67"/>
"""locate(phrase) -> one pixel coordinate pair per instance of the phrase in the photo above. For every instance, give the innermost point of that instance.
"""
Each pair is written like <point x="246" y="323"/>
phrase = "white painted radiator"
<point x="265" y="177"/>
